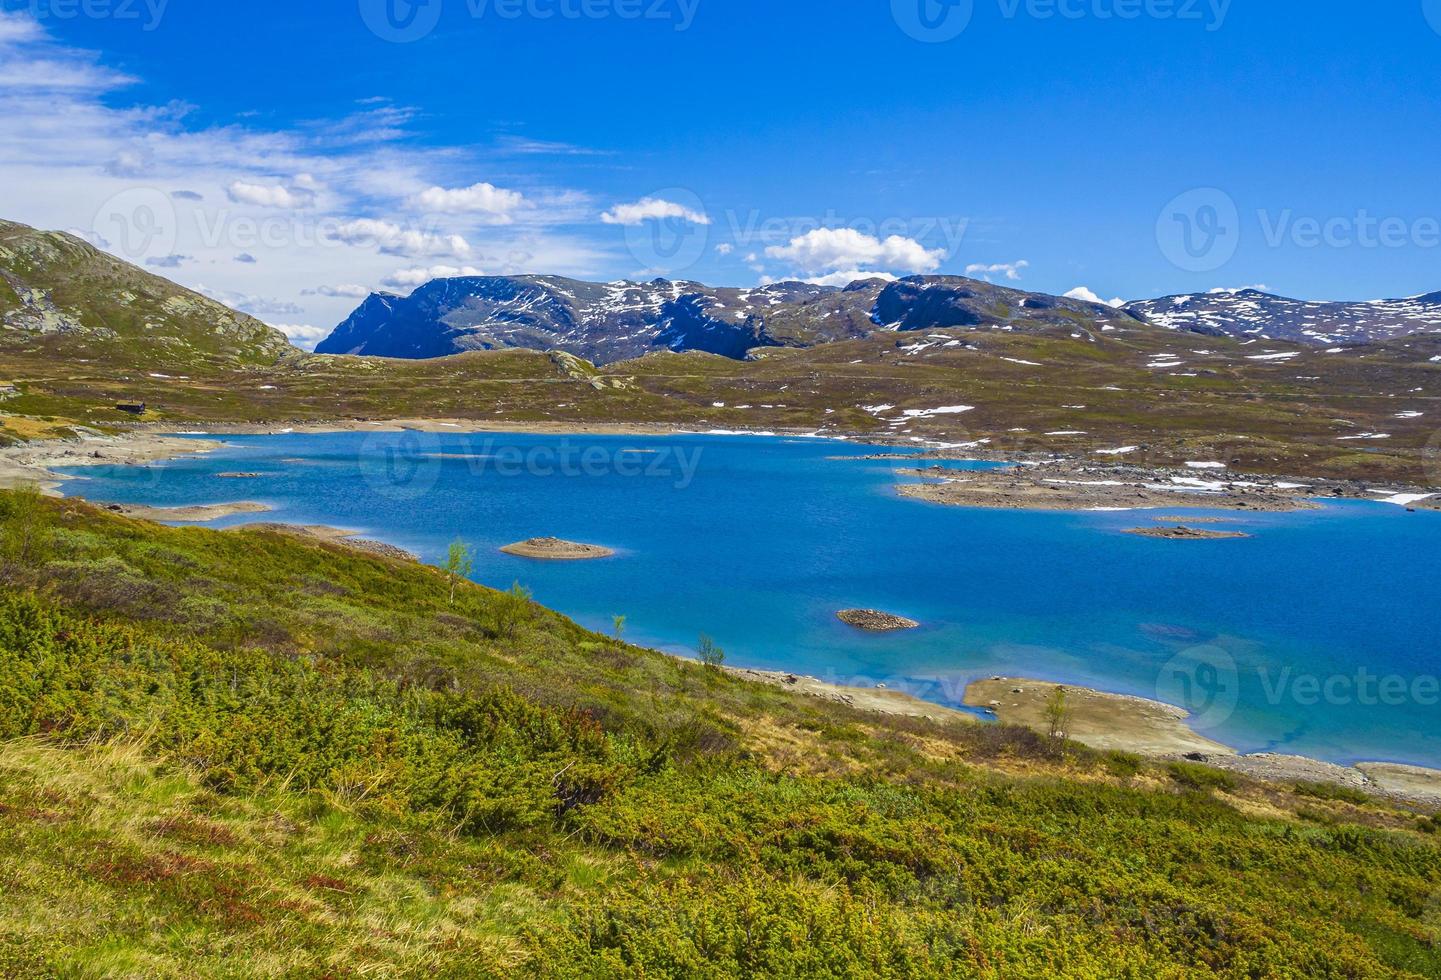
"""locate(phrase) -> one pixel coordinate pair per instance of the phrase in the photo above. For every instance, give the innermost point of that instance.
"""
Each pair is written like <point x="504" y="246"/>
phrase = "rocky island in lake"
<point x="874" y="621"/>
<point x="555" y="549"/>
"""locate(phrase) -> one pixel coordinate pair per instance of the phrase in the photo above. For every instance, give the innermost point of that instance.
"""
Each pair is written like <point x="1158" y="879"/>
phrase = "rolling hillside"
<point x="63" y="298"/>
<point x="240" y="754"/>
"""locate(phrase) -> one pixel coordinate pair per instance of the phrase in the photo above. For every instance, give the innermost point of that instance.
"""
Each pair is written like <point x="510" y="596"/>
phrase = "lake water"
<point x="1318" y="636"/>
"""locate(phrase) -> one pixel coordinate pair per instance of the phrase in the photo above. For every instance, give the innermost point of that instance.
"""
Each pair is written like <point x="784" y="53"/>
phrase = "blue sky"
<point x="1131" y="147"/>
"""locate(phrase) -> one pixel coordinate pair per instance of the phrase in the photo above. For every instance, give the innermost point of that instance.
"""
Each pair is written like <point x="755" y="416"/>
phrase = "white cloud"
<point x="725" y="248"/>
<point x="391" y="239"/>
<point x="652" y="209"/>
<point x="1087" y="295"/>
<point x="169" y="261"/>
<point x="78" y="151"/>
<point x="1259" y="287"/>
<point x="257" y="306"/>
<point x="1011" y="270"/>
<point x="825" y="251"/>
<point x="846" y="277"/>
<point x="495" y="204"/>
<point x="303" y="334"/>
<point x="348" y="291"/>
<point x="271" y="196"/>
<point x="410" y="278"/>
<point x="16" y="29"/>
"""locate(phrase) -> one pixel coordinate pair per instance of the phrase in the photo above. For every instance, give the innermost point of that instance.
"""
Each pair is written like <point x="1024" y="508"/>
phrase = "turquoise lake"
<point x="1318" y="636"/>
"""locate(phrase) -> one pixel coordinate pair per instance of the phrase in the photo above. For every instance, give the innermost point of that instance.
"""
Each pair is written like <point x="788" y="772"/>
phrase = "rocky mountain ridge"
<point x="609" y="322"/>
<point x="1252" y="313"/>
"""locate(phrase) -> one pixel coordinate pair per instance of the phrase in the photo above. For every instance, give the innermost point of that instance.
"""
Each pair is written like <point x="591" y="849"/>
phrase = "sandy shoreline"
<point x="34" y="462"/>
<point x="1160" y="731"/>
<point x="1119" y="722"/>
<point x="189" y="513"/>
<point x="862" y="698"/>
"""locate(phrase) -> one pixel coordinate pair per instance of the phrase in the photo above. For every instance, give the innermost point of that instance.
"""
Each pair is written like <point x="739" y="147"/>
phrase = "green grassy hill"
<point x="63" y="298"/>
<point x="241" y="754"/>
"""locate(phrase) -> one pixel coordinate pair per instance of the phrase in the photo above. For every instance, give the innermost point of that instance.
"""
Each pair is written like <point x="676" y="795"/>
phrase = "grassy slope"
<point x="1277" y="417"/>
<point x="240" y="754"/>
<point x="124" y="315"/>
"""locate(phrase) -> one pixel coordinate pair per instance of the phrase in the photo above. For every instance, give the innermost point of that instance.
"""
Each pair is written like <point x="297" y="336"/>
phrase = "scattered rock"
<point x="874" y="621"/>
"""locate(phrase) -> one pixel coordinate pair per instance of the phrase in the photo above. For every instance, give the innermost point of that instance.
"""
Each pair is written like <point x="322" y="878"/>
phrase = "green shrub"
<point x="1331" y="791"/>
<point x="1194" y="776"/>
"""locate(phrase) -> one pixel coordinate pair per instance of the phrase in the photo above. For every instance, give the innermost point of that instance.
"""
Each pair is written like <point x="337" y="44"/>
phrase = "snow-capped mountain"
<point x="602" y="322"/>
<point x="607" y="322"/>
<point x="1252" y="313"/>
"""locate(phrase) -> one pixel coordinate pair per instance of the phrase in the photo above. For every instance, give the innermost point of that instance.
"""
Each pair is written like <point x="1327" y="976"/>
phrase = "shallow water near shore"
<point x="1317" y="636"/>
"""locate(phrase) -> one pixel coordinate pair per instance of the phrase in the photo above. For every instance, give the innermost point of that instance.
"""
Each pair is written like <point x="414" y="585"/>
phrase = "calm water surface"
<point x="1318" y="636"/>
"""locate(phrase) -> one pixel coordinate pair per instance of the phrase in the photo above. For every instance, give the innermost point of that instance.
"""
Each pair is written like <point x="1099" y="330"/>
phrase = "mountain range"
<point x="610" y="322"/>
<point x="1252" y="313"/>
<point x="60" y="294"/>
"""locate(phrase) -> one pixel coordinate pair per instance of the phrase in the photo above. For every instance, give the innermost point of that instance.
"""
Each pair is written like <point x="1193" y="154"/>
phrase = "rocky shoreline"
<point x="1160" y="731"/>
<point x="1073" y="484"/>
<point x="188" y="514"/>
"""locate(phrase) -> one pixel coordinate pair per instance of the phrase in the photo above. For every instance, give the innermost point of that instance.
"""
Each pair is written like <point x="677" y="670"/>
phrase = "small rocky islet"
<point x="875" y="621"/>
<point x="1180" y="532"/>
<point x="557" y="549"/>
